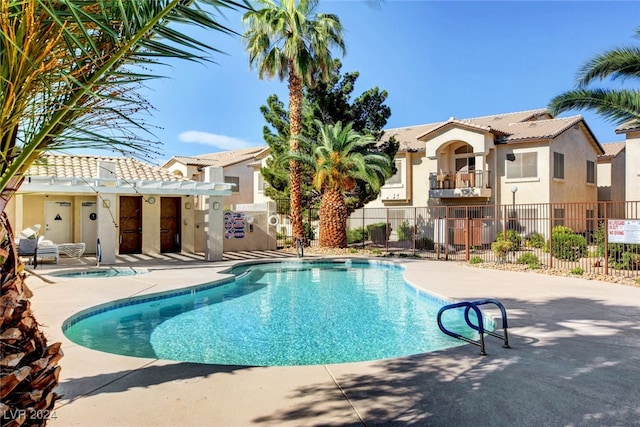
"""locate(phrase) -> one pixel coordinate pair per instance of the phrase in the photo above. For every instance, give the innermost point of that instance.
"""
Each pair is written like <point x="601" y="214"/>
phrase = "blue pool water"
<point x="107" y="272"/>
<point x="289" y="313"/>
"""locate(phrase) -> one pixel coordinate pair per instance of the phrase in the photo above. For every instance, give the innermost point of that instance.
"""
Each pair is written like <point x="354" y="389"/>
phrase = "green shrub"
<point x="376" y="251"/>
<point x="405" y="231"/>
<point x="379" y="232"/>
<point x="425" y="243"/>
<point x="501" y="249"/>
<point x="628" y="261"/>
<point x="578" y="271"/>
<point x="356" y="235"/>
<point x="309" y="232"/>
<point x="536" y="240"/>
<point x="476" y="260"/>
<point x="353" y="251"/>
<point x="512" y="236"/>
<point x="529" y="259"/>
<point x="566" y="244"/>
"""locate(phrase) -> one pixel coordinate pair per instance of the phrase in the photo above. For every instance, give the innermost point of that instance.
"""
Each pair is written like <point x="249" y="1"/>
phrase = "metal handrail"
<point x="473" y="305"/>
<point x="480" y="327"/>
<point x="505" y="336"/>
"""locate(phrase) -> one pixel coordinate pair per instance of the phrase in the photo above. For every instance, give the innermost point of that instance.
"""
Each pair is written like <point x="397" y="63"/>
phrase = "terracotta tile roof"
<point x="502" y="121"/>
<point x="628" y="126"/>
<point x="612" y="149"/>
<point x="540" y="129"/>
<point x="408" y="136"/>
<point x="81" y="166"/>
<point x="220" y="159"/>
<point x="509" y="127"/>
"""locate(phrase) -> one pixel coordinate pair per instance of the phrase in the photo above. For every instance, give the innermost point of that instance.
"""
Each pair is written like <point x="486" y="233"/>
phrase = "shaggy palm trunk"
<point x="333" y="220"/>
<point x="295" y="126"/>
<point x="28" y="366"/>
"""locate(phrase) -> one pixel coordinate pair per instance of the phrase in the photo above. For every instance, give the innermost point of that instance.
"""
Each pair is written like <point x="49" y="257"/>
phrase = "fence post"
<point x="415" y="228"/>
<point x="364" y="236"/>
<point x="446" y="235"/>
<point x="467" y="234"/>
<point x="606" y="239"/>
<point x="386" y="230"/>
<point x="550" y="235"/>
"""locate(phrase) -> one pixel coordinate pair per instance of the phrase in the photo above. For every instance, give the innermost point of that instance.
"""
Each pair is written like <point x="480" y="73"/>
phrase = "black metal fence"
<point x="566" y="236"/>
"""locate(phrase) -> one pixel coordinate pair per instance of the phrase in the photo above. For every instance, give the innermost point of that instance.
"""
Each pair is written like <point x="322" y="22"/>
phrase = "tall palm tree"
<point x="283" y="39"/>
<point x="67" y="80"/>
<point x="340" y="158"/>
<point x="616" y="105"/>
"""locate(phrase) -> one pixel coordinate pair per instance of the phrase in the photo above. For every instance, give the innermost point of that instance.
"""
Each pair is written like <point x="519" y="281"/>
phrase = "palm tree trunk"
<point x="28" y="366"/>
<point x="333" y="220"/>
<point x="295" y="123"/>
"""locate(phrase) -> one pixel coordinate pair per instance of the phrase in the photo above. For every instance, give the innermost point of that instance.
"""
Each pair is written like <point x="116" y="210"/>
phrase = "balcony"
<point x="460" y="184"/>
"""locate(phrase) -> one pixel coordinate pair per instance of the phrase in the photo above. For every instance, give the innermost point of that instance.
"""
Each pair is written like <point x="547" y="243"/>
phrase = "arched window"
<point x="465" y="160"/>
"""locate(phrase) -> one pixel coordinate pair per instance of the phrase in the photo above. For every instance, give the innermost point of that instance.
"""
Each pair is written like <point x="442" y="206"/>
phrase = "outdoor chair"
<point x="29" y="248"/>
<point x="47" y="249"/>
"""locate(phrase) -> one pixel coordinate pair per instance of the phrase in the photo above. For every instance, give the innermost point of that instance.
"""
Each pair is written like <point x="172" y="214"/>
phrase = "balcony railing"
<point x="453" y="180"/>
<point x="460" y="184"/>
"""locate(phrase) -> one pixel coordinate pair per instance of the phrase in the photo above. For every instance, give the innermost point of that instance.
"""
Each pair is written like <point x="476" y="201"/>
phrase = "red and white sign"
<point x="623" y="231"/>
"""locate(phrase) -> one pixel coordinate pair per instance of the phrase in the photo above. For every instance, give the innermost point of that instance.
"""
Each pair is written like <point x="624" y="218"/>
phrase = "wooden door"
<point x="130" y="224"/>
<point x="170" y="224"/>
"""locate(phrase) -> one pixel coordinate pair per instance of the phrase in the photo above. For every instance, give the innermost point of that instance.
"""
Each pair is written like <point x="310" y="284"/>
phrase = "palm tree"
<point x="340" y="159"/>
<point x="284" y="39"/>
<point x="67" y="80"/>
<point x="618" y="106"/>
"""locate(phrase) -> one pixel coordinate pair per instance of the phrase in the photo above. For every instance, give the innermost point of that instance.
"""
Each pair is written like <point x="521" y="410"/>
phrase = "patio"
<point x="574" y="360"/>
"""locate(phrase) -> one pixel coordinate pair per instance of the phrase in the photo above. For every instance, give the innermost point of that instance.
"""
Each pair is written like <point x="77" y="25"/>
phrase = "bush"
<point x="405" y="231"/>
<point x="577" y="270"/>
<point x="567" y="245"/>
<point x="501" y="248"/>
<point x="476" y="260"/>
<point x="425" y="243"/>
<point x="376" y="251"/>
<point x="512" y="236"/>
<point x="628" y="261"/>
<point x="356" y="235"/>
<point x="379" y="232"/>
<point x="536" y="240"/>
<point x="530" y="260"/>
<point x="309" y="232"/>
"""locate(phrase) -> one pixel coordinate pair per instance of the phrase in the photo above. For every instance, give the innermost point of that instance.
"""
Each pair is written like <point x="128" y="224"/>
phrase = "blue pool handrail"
<point x="479" y="327"/>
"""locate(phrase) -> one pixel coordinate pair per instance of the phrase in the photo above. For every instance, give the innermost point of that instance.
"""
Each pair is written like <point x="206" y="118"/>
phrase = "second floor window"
<point x="558" y="165"/>
<point x="262" y="184"/>
<point x="591" y="172"/>
<point x="233" y="180"/>
<point x="523" y="165"/>
<point x="397" y="178"/>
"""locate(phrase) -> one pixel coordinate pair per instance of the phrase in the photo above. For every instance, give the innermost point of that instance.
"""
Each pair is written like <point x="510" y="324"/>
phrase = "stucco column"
<point x="213" y="251"/>
<point x="107" y="228"/>
<point x="214" y="218"/>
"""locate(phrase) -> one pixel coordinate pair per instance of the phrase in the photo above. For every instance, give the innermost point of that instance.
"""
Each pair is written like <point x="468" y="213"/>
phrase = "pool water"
<point x="286" y="313"/>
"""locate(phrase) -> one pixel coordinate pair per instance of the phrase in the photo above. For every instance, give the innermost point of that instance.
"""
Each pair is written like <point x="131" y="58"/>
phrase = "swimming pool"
<point x="276" y="314"/>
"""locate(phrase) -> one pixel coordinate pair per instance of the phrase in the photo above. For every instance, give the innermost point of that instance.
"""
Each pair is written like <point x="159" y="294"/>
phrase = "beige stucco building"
<point x="117" y="206"/>
<point x="528" y="155"/>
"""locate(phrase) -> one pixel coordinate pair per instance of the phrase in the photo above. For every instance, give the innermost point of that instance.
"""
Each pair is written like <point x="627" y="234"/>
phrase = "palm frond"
<point x="616" y="106"/>
<point x="63" y="70"/>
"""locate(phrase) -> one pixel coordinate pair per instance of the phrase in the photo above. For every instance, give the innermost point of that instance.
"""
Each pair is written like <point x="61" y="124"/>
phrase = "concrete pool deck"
<point x="575" y="360"/>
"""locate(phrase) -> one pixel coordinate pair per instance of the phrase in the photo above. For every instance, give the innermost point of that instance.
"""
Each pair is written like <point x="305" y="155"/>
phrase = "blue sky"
<point x="436" y="59"/>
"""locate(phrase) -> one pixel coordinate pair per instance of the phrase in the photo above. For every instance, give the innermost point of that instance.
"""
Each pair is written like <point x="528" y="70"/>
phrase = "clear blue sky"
<point x="436" y="59"/>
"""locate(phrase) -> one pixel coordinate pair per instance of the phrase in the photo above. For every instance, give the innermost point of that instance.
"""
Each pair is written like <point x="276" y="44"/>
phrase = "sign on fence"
<point x="623" y="231"/>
